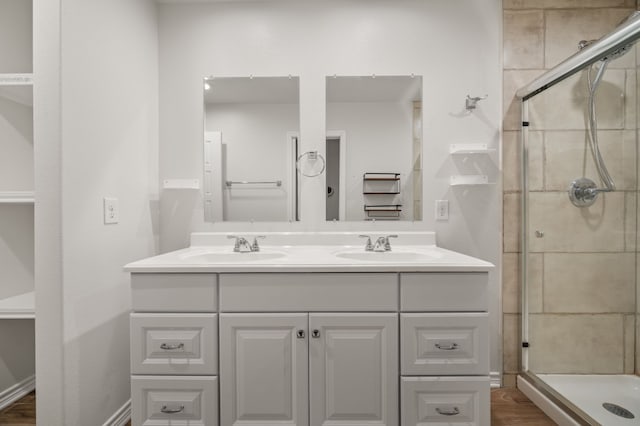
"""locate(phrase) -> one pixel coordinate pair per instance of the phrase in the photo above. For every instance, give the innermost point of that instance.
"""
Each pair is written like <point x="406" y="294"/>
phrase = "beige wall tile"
<point x="512" y="161"/>
<point x="579" y="344"/>
<point x="511" y="326"/>
<point x="589" y="282"/>
<point x="565" y="28"/>
<point x="512" y="81"/>
<point x="629" y="343"/>
<point x="564" y="106"/>
<point x="571" y="229"/>
<point x="568" y="156"/>
<point x="631" y="100"/>
<point x="511" y="224"/>
<point x="523" y="39"/>
<point x="563" y="4"/>
<point x="637" y="345"/>
<point x="511" y="283"/>
<point x="630" y="226"/>
<point x="534" y="284"/>
<point x="509" y="380"/>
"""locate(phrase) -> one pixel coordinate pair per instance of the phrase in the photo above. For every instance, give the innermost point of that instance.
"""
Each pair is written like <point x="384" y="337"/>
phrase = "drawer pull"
<point x="315" y="334"/>
<point x="449" y="347"/>
<point x="167" y="347"/>
<point x="300" y="334"/>
<point x="168" y="410"/>
<point x="448" y="411"/>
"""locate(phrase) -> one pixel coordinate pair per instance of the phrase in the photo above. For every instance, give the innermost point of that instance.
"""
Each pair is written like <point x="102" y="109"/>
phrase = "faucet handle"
<point x="255" y="246"/>
<point x="368" y="246"/>
<point x="239" y="240"/>
<point x="387" y="244"/>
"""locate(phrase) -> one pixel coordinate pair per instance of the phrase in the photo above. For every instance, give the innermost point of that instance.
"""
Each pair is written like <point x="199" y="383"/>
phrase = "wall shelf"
<point x="24" y="79"/>
<point x="381" y="183"/>
<point x="21" y="306"/>
<point x="470" y="148"/>
<point x="17" y="197"/>
<point x="383" y="211"/>
<point x="469" y="180"/>
<point x="181" y="184"/>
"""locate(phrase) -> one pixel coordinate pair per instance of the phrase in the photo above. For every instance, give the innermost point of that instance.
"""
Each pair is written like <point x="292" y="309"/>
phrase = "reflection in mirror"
<point x="251" y="127"/>
<point x="374" y="148"/>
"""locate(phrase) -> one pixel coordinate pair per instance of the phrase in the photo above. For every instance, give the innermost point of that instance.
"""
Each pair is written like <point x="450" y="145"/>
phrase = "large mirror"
<point x="251" y="127"/>
<point x="374" y="148"/>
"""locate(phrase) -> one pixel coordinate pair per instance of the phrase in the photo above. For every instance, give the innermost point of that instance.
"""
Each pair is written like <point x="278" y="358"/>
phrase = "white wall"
<point x="96" y="105"/>
<point x="15" y="36"/>
<point x="454" y="45"/>
<point x="254" y="147"/>
<point x="378" y="139"/>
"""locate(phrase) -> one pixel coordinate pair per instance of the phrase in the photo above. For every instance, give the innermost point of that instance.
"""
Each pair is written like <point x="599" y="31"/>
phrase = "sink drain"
<point x="618" y="410"/>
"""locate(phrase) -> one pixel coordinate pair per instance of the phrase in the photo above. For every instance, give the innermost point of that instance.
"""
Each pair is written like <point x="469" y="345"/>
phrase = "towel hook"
<point x="471" y="103"/>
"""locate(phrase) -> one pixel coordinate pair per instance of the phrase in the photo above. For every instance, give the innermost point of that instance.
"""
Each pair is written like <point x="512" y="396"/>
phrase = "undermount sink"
<point x="384" y="256"/>
<point x="231" y="257"/>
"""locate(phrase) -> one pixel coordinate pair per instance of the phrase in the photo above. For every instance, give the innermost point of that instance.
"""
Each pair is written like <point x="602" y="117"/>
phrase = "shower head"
<point x="621" y="51"/>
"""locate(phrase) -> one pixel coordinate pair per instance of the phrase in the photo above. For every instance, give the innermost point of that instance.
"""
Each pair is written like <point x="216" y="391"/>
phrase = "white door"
<point x="263" y="370"/>
<point x="353" y="369"/>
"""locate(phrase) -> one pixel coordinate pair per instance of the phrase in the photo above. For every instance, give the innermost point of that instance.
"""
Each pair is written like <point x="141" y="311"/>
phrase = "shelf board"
<point x="23" y="79"/>
<point x="469" y="180"/>
<point x="17" y="197"/>
<point x="21" y="306"/>
<point x="470" y="148"/>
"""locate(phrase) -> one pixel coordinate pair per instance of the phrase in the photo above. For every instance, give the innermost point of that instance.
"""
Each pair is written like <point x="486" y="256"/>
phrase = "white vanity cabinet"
<point x="444" y="348"/>
<point x="310" y="349"/>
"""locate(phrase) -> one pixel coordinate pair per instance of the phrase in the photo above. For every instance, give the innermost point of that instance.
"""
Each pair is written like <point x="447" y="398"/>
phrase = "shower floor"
<point x="589" y="392"/>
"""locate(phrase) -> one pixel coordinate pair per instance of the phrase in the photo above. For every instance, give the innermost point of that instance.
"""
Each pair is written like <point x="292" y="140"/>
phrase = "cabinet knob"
<point x="300" y="334"/>
<point x="315" y="334"/>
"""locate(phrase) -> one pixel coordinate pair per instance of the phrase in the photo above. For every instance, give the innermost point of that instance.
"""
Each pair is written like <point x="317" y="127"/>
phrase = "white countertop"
<point x="310" y="252"/>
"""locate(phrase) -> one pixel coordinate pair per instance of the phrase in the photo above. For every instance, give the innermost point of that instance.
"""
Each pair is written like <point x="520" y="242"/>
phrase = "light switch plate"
<point x="111" y="211"/>
<point x="442" y="209"/>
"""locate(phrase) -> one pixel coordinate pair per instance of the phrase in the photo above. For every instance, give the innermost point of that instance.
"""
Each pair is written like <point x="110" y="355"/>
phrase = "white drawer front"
<point x="171" y="400"/>
<point x="444" y="292"/>
<point x="445" y="401"/>
<point x="312" y="292"/>
<point x="442" y="344"/>
<point x="174" y="344"/>
<point x="174" y="292"/>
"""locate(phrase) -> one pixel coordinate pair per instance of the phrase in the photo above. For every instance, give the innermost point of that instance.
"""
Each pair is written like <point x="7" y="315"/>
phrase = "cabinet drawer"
<point x="174" y="344"/>
<point x="441" y="292"/>
<point x="309" y="292"/>
<point x="174" y="400"/>
<point x="174" y="292"/>
<point x="445" y="401"/>
<point x="442" y="344"/>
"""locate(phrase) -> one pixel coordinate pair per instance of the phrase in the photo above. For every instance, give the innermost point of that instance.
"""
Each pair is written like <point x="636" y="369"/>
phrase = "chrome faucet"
<point x="382" y="243"/>
<point x="242" y="244"/>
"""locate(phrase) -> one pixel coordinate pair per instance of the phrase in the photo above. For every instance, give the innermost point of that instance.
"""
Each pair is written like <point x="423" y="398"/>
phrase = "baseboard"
<point x="120" y="417"/>
<point x="495" y="378"/>
<point x="17" y="391"/>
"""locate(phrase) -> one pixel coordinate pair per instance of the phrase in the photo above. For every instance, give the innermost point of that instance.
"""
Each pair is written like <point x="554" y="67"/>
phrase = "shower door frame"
<point x="626" y="33"/>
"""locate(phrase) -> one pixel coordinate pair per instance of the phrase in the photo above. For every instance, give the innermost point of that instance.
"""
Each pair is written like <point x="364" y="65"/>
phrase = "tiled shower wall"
<point x="571" y="264"/>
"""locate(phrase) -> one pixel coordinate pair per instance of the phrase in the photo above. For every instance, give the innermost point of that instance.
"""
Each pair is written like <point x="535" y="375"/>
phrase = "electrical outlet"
<point x="111" y="210"/>
<point x="442" y="209"/>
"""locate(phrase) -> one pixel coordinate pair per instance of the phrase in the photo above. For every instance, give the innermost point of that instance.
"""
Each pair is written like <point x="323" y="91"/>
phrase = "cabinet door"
<point x="353" y="369"/>
<point x="263" y="370"/>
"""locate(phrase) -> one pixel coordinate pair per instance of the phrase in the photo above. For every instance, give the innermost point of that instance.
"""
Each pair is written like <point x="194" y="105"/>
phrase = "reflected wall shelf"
<point x="381" y="183"/>
<point x="21" y="306"/>
<point x="469" y="180"/>
<point x="24" y="79"/>
<point x="17" y="197"/>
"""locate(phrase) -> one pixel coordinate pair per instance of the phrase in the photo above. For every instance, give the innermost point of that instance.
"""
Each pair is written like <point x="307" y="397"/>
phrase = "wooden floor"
<point x="509" y="407"/>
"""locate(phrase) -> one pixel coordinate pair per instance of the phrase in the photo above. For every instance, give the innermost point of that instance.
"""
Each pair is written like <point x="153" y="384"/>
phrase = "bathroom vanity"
<point x="310" y="334"/>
